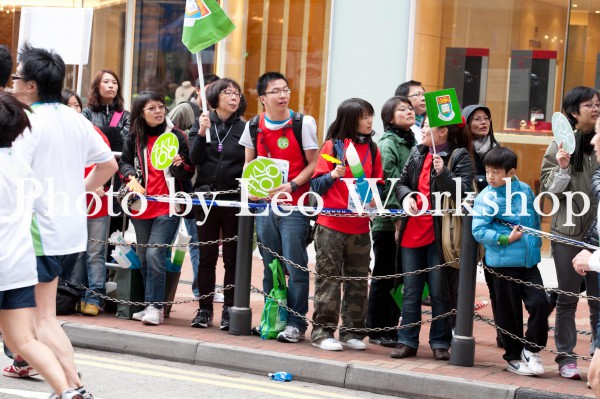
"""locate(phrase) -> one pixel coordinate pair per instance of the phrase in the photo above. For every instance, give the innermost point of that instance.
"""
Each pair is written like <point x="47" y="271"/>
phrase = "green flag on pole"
<point x="442" y="108"/>
<point x="205" y="24"/>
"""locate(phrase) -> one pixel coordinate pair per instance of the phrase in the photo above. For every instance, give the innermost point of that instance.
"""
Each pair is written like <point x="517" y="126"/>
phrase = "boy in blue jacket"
<point x="514" y="254"/>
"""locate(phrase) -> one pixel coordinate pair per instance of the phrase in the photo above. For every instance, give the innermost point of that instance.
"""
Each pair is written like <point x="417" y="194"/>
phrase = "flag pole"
<point x="432" y="142"/>
<point x="202" y="90"/>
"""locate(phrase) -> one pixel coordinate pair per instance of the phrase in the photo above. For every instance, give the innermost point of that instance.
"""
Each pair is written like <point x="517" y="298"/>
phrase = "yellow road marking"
<point x="197" y="376"/>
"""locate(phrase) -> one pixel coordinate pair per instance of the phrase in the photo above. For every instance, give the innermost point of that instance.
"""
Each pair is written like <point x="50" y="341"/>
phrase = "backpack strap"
<point x="297" y="127"/>
<point x="373" y="147"/>
<point x="253" y="128"/>
<point x="195" y="108"/>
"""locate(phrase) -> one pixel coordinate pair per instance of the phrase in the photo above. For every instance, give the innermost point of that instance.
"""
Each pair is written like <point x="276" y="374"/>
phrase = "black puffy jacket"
<point x="102" y="115"/>
<point x="462" y="166"/>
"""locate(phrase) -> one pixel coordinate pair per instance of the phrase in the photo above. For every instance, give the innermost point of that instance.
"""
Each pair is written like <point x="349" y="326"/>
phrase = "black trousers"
<point x="220" y="219"/>
<point x="509" y="309"/>
<point x="382" y="310"/>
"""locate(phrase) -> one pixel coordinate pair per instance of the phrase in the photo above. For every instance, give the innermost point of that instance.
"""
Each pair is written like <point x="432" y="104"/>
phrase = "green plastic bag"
<point x="398" y="294"/>
<point x="274" y="318"/>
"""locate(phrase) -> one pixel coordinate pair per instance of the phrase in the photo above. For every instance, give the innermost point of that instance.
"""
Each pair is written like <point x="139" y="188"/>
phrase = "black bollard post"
<point x="463" y="342"/>
<point x="240" y="314"/>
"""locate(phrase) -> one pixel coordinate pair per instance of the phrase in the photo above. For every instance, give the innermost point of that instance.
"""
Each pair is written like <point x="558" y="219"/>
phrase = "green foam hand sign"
<point x="263" y="174"/>
<point x="164" y="150"/>
<point x="563" y="132"/>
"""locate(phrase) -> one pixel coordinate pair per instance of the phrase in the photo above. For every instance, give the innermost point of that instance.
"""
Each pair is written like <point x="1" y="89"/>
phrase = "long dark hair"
<point x="459" y="138"/>
<point x="138" y="123"/>
<point x="348" y="115"/>
<point x="94" y="98"/>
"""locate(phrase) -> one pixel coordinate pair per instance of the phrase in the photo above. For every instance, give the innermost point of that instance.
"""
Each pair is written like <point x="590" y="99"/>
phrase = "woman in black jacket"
<point x="218" y="165"/>
<point x="154" y="224"/>
<point x="419" y="237"/>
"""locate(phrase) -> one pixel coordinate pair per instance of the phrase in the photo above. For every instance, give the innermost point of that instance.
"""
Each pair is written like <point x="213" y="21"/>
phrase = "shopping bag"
<point x="398" y="294"/>
<point x="274" y="318"/>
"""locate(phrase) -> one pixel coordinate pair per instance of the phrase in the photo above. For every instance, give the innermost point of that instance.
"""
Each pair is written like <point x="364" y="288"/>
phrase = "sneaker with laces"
<point x="219" y="297"/>
<point x="225" y="319"/>
<point x="570" y="371"/>
<point x="290" y="334"/>
<point x="85" y="393"/>
<point x="354" y="344"/>
<point x="203" y="319"/>
<point x="153" y="316"/>
<point x="328" y="344"/>
<point x="533" y="360"/>
<point x="15" y="371"/>
<point x="519" y="367"/>
<point x="139" y="315"/>
<point x="90" y="310"/>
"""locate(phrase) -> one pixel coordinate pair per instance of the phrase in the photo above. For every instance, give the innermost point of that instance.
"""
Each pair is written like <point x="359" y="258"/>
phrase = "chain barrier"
<point x="351" y="329"/>
<point x="492" y="323"/>
<point x="191" y="244"/>
<point x="351" y="278"/>
<point x="165" y="303"/>
<point x="538" y="286"/>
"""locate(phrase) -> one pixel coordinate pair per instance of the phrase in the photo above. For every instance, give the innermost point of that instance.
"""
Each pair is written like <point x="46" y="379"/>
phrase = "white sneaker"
<point x="533" y="360"/>
<point x="519" y="367"/>
<point x="219" y="297"/>
<point x="139" y="315"/>
<point x="570" y="371"/>
<point x="355" y="344"/>
<point x="290" y="334"/>
<point x="153" y="316"/>
<point x="328" y="344"/>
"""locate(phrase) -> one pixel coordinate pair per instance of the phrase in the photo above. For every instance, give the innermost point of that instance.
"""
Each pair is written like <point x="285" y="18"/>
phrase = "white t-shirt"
<point x="309" y="132"/>
<point x="60" y="144"/>
<point x="17" y="258"/>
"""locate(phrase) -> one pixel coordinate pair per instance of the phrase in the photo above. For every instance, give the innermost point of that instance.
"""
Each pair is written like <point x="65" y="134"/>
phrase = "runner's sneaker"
<point x="139" y="315"/>
<point x="67" y="394"/>
<point x="290" y="334"/>
<point x="328" y="344"/>
<point x="203" y="319"/>
<point x="154" y="316"/>
<point x="225" y="319"/>
<point x="85" y="393"/>
<point x="570" y="371"/>
<point x="533" y="360"/>
<point x="219" y="297"/>
<point x="354" y="344"/>
<point x="19" y="372"/>
<point x="90" y="310"/>
<point x="519" y="367"/>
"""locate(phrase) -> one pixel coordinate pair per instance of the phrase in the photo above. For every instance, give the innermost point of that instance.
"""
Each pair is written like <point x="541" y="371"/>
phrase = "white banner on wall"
<point x="67" y="31"/>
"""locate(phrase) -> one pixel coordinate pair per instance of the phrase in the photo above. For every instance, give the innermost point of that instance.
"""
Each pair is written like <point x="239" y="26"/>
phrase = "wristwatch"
<point x="293" y="185"/>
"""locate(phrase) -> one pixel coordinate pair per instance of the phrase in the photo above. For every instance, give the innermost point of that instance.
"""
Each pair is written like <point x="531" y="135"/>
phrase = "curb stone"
<point x="327" y="372"/>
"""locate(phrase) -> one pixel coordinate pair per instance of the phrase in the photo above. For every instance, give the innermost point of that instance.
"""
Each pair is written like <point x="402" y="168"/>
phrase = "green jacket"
<point x="395" y="151"/>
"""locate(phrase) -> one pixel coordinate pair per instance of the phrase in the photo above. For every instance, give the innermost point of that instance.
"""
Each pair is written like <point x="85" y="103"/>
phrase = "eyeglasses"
<point x="590" y="106"/>
<point x="481" y="119"/>
<point x="230" y="93"/>
<point x="160" y="108"/>
<point x="405" y="109"/>
<point x="14" y="76"/>
<point x="417" y="94"/>
<point x="278" y="92"/>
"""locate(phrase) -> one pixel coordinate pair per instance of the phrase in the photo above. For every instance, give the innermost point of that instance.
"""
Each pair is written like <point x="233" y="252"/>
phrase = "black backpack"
<point x="296" y="127"/>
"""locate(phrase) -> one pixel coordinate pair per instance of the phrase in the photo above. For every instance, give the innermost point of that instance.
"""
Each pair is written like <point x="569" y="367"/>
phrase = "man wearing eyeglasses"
<point x="415" y="92"/>
<point x="58" y="146"/>
<point x="286" y="236"/>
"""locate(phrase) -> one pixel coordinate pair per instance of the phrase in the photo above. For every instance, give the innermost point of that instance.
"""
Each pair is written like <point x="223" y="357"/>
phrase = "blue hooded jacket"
<point x="487" y="229"/>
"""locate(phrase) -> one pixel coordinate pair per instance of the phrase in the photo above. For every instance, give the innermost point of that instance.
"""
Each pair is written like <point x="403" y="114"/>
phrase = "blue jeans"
<point x="440" y="334"/>
<point x="160" y="230"/>
<point x="190" y="226"/>
<point x="287" y="237"/>
<point x="95" y="259"/>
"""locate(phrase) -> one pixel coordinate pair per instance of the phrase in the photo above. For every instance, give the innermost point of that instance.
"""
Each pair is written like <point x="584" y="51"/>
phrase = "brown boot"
<point x="441" y="354"/>
<point x="401" y="351"/>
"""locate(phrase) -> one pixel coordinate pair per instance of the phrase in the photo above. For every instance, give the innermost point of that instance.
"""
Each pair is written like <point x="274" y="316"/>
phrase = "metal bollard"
<point x="463" y="342"/>
<point x="240" y="314"/>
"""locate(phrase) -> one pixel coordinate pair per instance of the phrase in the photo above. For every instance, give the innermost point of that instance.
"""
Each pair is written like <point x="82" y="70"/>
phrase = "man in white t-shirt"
<point x="59" y="145"/>
<point x="286" y="236"/>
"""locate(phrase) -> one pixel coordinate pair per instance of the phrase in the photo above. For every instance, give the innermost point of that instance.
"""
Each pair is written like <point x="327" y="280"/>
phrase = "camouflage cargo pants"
<point x="340" y="254"/>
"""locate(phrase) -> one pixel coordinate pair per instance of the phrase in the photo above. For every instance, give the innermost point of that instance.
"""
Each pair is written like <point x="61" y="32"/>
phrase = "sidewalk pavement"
<point x="371" y="370"/>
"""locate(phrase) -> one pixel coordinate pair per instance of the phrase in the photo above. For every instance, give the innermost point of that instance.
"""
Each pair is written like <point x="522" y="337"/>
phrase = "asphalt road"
<point x="115" y="376"/>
